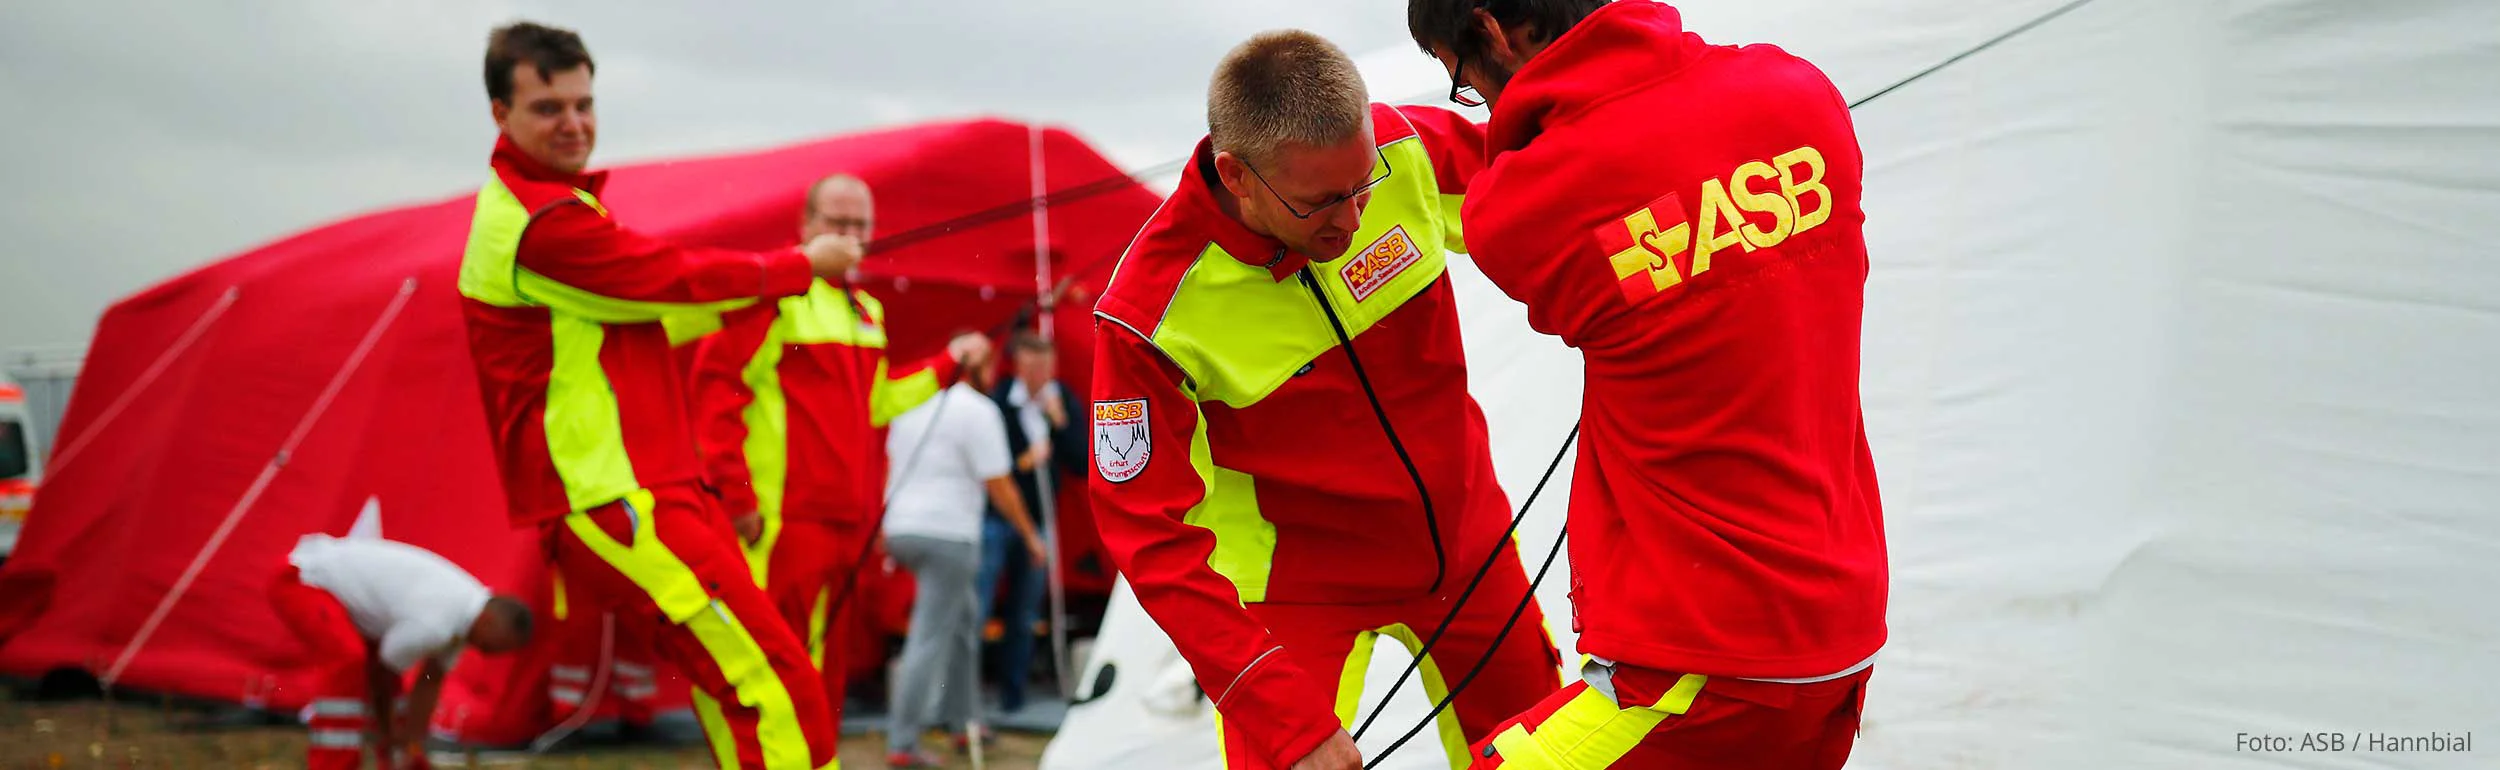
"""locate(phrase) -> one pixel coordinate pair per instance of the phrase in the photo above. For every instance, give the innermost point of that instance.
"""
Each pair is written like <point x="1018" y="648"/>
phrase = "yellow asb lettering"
<point x="1792" y="183"/>
<point x="1714" y="207"/>
<point x="1783" y="214"/>
<point x="1641" y="247"/>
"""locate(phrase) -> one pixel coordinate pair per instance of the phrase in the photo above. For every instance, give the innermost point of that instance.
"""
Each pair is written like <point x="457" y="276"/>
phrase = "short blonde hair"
<point x="1285" y="86"/>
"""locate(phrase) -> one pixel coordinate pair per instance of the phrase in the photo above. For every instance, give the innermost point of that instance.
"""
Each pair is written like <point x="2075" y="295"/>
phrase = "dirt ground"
<point x="92" y="735"/>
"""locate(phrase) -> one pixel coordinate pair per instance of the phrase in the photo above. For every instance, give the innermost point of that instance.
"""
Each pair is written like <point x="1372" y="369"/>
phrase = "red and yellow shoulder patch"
<point x="1123" y="441"/>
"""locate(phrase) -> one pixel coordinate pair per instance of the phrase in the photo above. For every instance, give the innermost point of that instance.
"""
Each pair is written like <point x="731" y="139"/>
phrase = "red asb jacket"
<point x="1237" y="458"/>
<point x="569" y="319"/>
<point x="1686" y="215"/>
<point x="790" y="395"/>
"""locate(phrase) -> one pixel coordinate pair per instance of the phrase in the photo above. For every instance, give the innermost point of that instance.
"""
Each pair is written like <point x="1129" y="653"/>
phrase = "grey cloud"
<point x="152" y="137"/>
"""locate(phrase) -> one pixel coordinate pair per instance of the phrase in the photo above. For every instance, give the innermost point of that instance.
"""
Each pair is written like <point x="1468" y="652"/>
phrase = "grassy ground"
<point x="91" y="734"/>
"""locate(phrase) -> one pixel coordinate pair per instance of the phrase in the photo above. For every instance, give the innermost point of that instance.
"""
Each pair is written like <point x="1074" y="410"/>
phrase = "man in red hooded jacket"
<point x="1687" y="216"/>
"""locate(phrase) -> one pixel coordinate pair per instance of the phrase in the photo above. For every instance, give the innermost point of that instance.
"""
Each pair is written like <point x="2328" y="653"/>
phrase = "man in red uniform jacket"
<point x="1686" y="215"/>
<point x="1288" y="466"/>
<point x="570" y="318"/>
<point x="789" y="396"/>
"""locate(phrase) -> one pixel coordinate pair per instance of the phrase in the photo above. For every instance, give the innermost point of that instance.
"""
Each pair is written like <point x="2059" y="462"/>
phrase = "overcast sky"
<point x="145" y="138"/>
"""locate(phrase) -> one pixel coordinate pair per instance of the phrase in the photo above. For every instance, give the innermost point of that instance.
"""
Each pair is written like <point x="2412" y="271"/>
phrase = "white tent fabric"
<point x="2182" y="373"/>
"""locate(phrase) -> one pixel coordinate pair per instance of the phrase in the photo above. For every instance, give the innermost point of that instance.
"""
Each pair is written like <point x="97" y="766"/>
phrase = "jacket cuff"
<point x="786" y="274"/>
<point x="1280" y="713"/>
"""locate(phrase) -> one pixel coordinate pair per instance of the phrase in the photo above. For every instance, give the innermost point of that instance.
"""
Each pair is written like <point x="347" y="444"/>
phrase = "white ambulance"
<point x="19" y="469"/>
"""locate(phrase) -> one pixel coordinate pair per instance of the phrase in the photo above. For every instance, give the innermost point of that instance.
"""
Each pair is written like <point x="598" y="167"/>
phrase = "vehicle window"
<point x="13" y="460"/>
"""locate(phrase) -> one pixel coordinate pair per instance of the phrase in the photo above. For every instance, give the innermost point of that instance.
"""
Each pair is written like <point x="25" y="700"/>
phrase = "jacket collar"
<point x="1197" y="191"/>
<point x="509" y="157"/>
<point x="1619" y="46"/>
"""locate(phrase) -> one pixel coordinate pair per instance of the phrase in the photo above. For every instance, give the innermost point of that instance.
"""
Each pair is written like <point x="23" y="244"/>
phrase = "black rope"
<point x="1990" y="43"/>
<point x="1432" y="524"/>
<point x="1025" y="206"/>
<point x="1481" y="570"/>
<point x="1560" y="536"/>
<point x="1461" y="685"/>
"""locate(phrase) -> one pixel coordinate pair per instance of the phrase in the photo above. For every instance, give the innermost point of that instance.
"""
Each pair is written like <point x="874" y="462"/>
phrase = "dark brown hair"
<point x="516" y="616"/>
<point x="1451" y="24"/>
<point x="1030" y="342"/>
<point x="550" y="49"/>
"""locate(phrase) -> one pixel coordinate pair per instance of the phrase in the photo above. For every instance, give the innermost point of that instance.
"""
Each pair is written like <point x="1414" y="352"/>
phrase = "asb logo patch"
<point x="1757" y="206"/>
<point x="1122" y="442"/>
<point x="1378" y="264"/>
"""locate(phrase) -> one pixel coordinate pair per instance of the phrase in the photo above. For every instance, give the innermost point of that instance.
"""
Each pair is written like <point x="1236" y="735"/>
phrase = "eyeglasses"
<point x="1358" y="192"/>
<point x="1463" y="93"/>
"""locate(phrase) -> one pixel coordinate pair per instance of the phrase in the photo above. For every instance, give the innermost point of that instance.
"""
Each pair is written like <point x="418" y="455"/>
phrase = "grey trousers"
<point x="939" y="681"/>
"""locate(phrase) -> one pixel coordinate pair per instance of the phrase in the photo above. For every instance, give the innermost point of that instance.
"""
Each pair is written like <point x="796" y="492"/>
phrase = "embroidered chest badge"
<point x="1368" y="270"/>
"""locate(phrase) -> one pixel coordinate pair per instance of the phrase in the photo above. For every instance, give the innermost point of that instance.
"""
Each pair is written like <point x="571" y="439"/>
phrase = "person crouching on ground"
<point x="368" y="612"/>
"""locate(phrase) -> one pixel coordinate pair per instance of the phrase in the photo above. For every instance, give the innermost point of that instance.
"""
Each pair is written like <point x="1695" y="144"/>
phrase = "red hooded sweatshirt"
<point x="1686" y="215"/>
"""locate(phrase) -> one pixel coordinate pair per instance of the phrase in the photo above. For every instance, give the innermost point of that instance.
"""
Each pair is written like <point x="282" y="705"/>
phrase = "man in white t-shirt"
<point x="370" y="612"/>
<point x="946" y="457"/>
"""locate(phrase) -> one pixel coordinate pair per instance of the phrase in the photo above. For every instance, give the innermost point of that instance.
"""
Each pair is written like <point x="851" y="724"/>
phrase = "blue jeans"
<point x="1003" y="553"/>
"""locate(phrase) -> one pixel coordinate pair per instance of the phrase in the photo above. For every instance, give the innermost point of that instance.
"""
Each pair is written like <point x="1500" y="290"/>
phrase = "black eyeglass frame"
<point x="1386" y="171"/>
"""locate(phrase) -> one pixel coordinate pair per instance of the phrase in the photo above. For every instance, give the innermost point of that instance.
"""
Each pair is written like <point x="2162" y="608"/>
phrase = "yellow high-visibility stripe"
<point x="759" y="687"/>
<point x="541" y="290"/>
<point x="1239" y="333"/>
<point x="824" y="316"/>
<point x="821" y="316"/>
<point x="490" y="272"/>
<point x="1245" y="541"/>
<point x="767" y="418"/>
<point x="1453" y="739"/>
<point x="1223" y="742"/>
<point x="1358" y="662"/>
<point x="646" y="561"/>
<point x="716" y="730"/>
<point x="585" y="436"/>
<point x="1454" y="237"/>
<point x="1592" y="730"/>
<point x="680" y="595"/>
<point x="494" y="240"/>
<point x="685" y="328"/>
<point x="889" y="398"/>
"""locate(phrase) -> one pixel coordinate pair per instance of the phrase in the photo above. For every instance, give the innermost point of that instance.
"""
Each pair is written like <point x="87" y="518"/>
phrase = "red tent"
<point x="226" y="412"/>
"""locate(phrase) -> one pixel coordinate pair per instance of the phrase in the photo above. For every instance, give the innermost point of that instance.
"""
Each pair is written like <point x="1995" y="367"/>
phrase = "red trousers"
<point x="665" y="554"/>
<point x="1336" y="641"/>
<point x="1664" y="720"/>
<point x="335" y="652"/>
<point x="802" y="564"/>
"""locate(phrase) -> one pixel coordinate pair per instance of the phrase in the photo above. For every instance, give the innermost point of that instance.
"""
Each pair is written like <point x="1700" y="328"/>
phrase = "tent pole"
<point x="268" y="473"/>
<point x="1046" y="308"/>
<point x="64" y="454"/>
